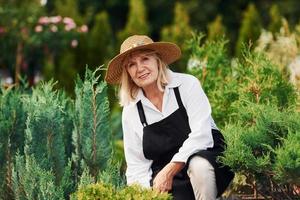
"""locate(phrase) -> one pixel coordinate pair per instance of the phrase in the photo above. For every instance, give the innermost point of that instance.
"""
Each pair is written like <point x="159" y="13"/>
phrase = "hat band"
<point x="136" y="45"/>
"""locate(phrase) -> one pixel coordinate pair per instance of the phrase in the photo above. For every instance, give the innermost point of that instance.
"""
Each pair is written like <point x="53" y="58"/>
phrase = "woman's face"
<point x="143" y="69"/>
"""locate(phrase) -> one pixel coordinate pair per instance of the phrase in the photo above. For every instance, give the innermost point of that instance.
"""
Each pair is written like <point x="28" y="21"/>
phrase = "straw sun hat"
<point x="169" y="52"/>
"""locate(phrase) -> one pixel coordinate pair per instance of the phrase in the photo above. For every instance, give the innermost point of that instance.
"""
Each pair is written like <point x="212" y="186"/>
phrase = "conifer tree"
<point x="260" y="121"/>
<point x="275" y="19"/>
<point x="250" y="28"/>
<point x="100" y="43"/>
<point x="178" y="32"/>
<point x="66" y="70"/>
<point x="136" y="21"/>
<point x="31" y="182"/>
<point x="69" y="8"/>
<point x="44" y="129"/>
<point x="216" y="29"/>
<point x="12" y="126"/>
<point x="210" y="63"/>
<point x="92" y="135"/>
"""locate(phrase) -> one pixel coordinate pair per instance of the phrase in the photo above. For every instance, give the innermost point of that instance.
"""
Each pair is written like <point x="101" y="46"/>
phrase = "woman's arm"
<point x="199" y="114"/>
<point x="164" y="179"/>
<point x="138" y="167"/>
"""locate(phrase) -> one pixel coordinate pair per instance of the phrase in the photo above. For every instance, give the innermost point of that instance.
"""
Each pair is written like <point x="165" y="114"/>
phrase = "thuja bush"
<point x="210" y="63"/>
<point x="12" y="131"/>
<point x="91" y="134"/>
<point x="255" y="107"/>
<point x="109" y="192"/>
<point x="52" y="144"/>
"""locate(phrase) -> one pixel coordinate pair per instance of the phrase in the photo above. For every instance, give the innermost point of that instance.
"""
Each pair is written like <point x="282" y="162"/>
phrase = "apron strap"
<point x="142" y="114"/>
<point x="177" y="94"/>
<point x="141" y="109"/>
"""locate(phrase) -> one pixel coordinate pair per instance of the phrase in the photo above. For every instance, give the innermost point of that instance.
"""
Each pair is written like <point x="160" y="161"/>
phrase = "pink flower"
<point x="2" y="30"/>
<point x="53" y="28"/>
<point x="55" y="19"/>
<point x="68" y="20"/>
<point x="74" y="43"/>
<point x="83" y="29"/>
<point x="44" y="20"/>
<point x="70" y="26"/>
<point x="38" y="28"/>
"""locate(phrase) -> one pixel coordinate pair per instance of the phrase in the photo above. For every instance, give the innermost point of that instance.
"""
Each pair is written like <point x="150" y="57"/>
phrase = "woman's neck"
<point x="154" y="95"/>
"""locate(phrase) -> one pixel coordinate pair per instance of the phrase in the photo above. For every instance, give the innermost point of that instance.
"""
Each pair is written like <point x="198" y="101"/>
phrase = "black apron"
<point x="162" y="140"/>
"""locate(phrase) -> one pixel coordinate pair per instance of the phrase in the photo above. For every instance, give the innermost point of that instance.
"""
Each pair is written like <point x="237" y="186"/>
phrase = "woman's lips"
<point x="144" y="76"/>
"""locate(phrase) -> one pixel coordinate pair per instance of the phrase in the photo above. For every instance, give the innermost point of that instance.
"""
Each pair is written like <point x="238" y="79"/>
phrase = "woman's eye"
<point x="145" y="58"/>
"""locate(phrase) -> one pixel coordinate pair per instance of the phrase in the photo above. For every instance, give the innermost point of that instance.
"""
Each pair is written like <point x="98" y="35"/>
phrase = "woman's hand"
<point x="164" y="179"/>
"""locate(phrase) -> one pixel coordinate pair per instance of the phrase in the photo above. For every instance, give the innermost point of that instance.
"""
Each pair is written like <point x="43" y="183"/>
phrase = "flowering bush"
<point x="56" y="32"/>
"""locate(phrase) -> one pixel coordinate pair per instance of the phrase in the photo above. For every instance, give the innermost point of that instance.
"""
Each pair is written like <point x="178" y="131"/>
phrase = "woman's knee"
<point x="200" y="167"/>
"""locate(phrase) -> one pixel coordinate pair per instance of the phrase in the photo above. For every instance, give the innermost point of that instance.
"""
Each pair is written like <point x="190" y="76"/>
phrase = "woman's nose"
<point x="140" y="66"/>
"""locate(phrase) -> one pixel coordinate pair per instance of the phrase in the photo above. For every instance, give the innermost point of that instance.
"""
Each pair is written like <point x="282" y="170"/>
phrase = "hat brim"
<point x="169" y="53"/>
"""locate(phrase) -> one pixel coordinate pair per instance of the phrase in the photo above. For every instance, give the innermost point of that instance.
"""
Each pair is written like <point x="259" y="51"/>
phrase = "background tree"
<point x="136" y="21"/>
<point x="250" y="28"/>
<point x="12" y="126"/>
<point x="275" y="19"/>
<point x="216" y="29"/>
<point x="99" y="46"/>
<point x="178" y="32"/>
<point x="15" y="34"/>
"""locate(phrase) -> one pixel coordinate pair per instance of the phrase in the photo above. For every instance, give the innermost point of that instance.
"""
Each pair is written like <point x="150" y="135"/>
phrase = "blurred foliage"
<point x="136" y="21"/>
<point x="250" y="28"/>
<point x="276" y="19"/>
<point x="283" y="49"/>
<point x="216" y="29"/>
<point x="119" y="19"/>
<point x="178" y="32"/>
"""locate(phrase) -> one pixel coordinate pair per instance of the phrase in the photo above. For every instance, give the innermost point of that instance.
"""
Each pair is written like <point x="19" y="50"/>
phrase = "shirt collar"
<point x="174" y="81"/>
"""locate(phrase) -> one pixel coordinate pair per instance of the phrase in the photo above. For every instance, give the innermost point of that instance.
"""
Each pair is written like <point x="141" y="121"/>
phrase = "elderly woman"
<point x="170" y="139"/>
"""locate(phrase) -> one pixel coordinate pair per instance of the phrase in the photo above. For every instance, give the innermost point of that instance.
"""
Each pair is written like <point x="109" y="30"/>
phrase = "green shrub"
<point x="254" y="105"/>
<point x="100" y="191"/>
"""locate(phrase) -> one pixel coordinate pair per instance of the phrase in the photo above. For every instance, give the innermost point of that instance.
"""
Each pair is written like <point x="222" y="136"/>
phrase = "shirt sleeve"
<point x="199" y="115"/>
<point x="138" y="167"/>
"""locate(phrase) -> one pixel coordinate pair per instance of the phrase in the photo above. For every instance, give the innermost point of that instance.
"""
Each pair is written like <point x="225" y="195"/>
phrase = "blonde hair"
<point x="128" y="89"/>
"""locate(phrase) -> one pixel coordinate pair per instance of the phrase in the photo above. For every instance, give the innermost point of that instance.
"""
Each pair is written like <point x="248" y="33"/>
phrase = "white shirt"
<point x="199" y="114"/>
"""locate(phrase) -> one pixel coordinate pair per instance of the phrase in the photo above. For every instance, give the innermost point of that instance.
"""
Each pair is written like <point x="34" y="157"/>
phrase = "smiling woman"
<point x="144" y="69"/>
<point x="171" y="142"/>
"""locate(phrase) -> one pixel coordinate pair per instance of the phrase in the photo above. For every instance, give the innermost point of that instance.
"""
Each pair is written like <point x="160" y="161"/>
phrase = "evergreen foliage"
<point x="66" y="70"/>
<point x="12" y="126"/>
<point x="92" y="135"/>
<point x="136" y="21"/>
<point x="211" y="65"/>
<point x="216" y="29"/>
<point x="68" y="8"/>
<point x="250" y="28"/>
<point x="41" y="125"/>
<point x="30" y="181"/>
<point x="275" y="19"/>
<point x="109" y="192"/>
<point x="112" y="173"/>
<point x="44" y="128"/>
<point x="178" y="32"/>
<point x="256" y="106"/>
<point x="98" y="43"/>
<point x="283" y="49"/>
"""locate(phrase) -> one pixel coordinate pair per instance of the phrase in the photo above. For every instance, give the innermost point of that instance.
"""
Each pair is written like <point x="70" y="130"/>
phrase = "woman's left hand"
<point x="164" y="179"/>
